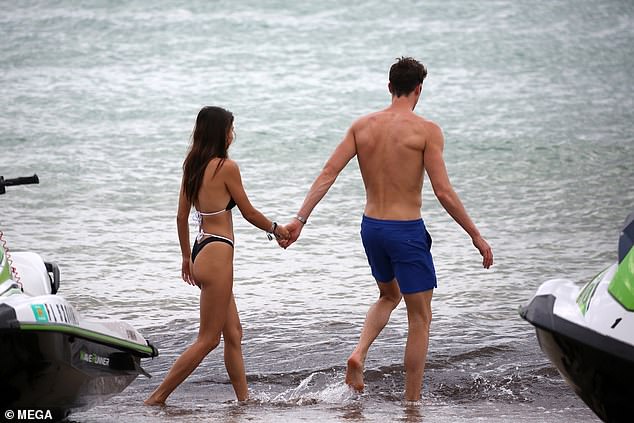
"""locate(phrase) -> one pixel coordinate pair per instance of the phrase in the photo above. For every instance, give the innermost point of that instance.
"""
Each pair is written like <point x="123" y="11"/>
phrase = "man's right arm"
<point x="436" y="170"/>
<point x="344" y="152"/>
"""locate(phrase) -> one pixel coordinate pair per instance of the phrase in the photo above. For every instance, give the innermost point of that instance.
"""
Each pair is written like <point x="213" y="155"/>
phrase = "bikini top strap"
<point x="198" y="217"/>
<point x="210" y="213"/>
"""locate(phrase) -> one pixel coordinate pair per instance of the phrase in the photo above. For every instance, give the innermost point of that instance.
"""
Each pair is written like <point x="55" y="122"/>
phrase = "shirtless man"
<point x="394" y="148"/>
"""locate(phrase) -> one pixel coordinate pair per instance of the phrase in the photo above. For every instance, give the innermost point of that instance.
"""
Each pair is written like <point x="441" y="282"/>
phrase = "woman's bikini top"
<point x="199" y="218"/>
<point x="230" y="205"/>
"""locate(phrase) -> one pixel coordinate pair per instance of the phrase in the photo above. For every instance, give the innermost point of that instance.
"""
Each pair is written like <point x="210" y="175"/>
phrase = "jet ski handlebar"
<point x="24" y="180"/>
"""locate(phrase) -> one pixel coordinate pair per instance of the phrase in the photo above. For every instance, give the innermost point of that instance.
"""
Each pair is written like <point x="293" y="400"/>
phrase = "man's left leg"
<point x="419" y="320"/>
<point x="375" y="321"/>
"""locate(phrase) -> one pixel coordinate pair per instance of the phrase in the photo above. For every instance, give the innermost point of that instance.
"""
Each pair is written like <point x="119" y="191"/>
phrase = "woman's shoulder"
<point x="222" y="162"/>
<point x="230" y="165"/>
<point x="225" y="167"/>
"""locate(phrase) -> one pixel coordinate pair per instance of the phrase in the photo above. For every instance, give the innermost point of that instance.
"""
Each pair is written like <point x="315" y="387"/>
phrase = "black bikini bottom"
<point x="198" y="246"/>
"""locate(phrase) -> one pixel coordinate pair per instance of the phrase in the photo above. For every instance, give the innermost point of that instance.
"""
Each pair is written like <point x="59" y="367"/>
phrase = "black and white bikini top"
<point x="199" y="218"/>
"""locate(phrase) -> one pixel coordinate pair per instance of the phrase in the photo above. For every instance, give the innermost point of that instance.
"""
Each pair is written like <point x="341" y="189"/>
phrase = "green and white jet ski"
<point x="52" y="358"/>
<point x="588" y="332"/>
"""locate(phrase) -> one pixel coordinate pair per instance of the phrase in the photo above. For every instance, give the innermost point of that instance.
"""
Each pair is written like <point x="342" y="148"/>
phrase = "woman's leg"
<point x="232" y="335"/>
<point x="213" y="270"/>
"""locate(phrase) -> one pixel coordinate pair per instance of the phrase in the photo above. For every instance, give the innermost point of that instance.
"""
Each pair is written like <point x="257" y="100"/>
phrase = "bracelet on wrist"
<point x="270" y="234"/>
<point x="301" y="219"/>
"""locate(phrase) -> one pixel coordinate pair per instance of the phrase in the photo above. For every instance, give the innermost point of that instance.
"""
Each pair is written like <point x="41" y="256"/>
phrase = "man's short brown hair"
<point x="405" y="75"/>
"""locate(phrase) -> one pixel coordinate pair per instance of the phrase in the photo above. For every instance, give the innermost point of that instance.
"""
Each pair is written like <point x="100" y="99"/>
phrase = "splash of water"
<point x="317" y="387"/>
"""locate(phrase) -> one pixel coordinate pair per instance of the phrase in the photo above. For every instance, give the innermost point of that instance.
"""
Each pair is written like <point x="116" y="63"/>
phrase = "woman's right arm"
<point x="182" y="225"/>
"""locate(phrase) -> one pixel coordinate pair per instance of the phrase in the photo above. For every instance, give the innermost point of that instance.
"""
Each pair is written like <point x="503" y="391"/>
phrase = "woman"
<point x="212" y="184"/>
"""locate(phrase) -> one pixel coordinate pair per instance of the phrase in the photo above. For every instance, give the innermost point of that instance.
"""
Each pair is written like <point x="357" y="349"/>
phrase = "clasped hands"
<point x="280" y="233"/>
<point x="292" y="231"/>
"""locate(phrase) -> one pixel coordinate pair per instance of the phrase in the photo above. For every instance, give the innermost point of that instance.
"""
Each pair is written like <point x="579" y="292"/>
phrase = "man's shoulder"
<point x="368" y="118"/>
<point x="412" y="121"/>
<point x="372" y="119"/>
<point x="433" y="126"/>
<point x="428" y="126"/>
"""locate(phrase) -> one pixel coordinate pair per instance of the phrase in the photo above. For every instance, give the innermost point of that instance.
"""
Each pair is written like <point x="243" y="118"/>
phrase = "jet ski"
<point x="53" y="359"/>
<point x="587" y="332"/>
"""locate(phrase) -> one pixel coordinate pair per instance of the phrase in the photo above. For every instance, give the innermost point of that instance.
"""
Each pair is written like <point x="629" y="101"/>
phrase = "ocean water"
<point x="536" y="103"/>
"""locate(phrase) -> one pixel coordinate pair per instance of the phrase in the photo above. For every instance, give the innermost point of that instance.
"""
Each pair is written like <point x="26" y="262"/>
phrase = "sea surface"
<point x="536" y="102"/>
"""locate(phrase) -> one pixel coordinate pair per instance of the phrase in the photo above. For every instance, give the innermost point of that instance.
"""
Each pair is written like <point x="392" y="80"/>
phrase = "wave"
<point x="504" y="374"/>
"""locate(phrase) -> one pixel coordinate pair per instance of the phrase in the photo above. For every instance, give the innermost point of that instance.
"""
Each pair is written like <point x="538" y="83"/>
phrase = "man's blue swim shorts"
<point x="401" y="249"/>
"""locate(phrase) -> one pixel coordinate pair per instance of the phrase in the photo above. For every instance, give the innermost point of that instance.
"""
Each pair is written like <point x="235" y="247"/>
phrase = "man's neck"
<point x="403" y="103"/>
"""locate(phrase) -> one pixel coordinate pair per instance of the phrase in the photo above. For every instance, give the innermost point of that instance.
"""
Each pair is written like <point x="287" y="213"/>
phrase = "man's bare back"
<point x="390" y="147"/>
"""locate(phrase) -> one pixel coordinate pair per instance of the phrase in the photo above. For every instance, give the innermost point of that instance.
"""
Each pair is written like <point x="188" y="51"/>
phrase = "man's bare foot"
<point x="354" y="374"/>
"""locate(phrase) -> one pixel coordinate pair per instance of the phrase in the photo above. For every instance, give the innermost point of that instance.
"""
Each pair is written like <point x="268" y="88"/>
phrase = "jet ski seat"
<point x="34" y="274"/>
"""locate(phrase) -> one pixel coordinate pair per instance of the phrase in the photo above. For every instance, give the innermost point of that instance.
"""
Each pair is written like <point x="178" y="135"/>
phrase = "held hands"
<point x="281" y="234"/>
<point x="294" y="228"/>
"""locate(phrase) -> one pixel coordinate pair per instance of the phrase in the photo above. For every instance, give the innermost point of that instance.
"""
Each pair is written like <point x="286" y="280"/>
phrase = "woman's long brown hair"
<point x="209" y="140"/>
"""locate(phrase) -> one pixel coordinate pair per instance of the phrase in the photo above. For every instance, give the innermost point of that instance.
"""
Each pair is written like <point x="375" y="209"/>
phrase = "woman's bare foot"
<point x="354" y="374"/>
<point x="152" y="401"/>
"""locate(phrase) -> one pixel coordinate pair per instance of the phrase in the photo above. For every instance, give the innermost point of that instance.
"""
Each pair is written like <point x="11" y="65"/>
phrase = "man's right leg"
<point x="375" y="321"/>
<point x="419" y="320"/>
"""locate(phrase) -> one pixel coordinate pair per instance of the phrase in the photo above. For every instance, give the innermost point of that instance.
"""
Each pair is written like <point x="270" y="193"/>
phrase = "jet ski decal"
<point x="39" y="311"/>
<point x="586" y="294"/>
<point x="622" y="285"/>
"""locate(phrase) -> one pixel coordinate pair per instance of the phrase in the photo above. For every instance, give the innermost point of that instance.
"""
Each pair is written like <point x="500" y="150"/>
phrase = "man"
<point x="394" y="148"/>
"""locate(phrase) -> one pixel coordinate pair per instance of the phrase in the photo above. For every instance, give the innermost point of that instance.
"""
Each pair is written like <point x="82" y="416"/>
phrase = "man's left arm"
<point x="437" y="172"/>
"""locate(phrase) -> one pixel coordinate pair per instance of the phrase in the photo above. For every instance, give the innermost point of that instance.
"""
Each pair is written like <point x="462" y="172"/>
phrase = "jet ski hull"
<point x="61" y="372"/>
<point x="600" y="369"/>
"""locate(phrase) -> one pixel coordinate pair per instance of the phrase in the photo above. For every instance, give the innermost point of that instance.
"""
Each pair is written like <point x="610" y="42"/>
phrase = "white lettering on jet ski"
<point x="93" y="358"/>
